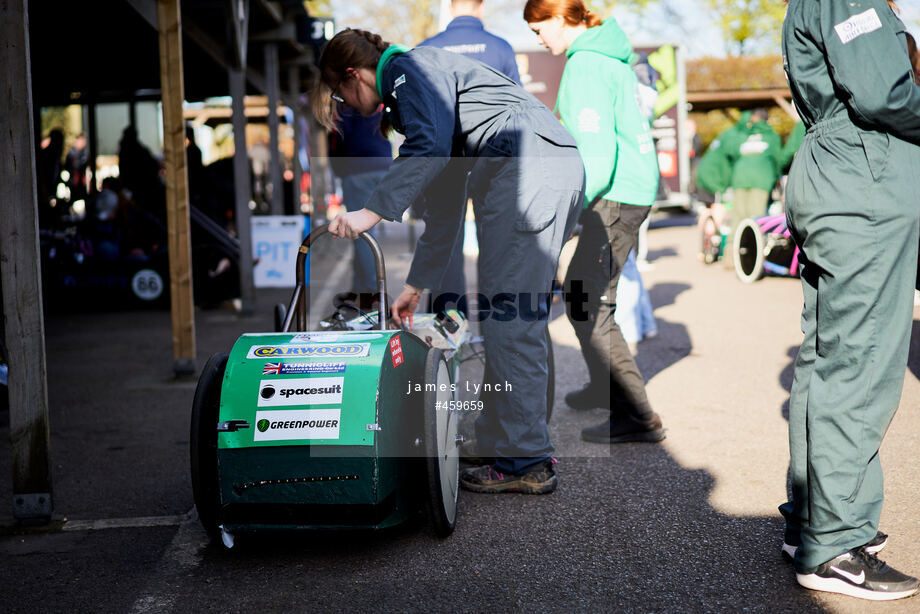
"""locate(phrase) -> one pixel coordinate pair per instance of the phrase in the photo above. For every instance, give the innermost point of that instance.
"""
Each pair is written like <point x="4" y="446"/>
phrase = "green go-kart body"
<point x="337" y="429"/>
<point x="332" y="430"/>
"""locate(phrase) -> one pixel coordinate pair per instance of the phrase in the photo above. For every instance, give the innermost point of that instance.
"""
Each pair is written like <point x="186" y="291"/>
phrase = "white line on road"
<point x="126" y="523"/>
<point x="179" y="559"/>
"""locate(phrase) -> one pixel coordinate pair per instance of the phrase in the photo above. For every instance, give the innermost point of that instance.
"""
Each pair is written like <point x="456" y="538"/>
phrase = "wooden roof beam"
<point x="217" y="53"/>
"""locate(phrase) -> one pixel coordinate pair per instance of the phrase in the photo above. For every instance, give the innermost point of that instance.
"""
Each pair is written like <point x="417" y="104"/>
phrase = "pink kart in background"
<point x="762" y="245"/>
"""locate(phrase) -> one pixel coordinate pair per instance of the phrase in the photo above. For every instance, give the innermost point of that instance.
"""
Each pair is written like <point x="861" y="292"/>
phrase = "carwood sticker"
<point x="313" y="350"/>
<point x="300" y="391"/>
<point x="396" y="352"/>
<point x="279" y="425"/>
<point x="302" y="368"/>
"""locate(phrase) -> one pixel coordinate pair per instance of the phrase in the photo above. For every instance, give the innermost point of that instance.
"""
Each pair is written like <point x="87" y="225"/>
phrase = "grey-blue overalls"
<point x="527" y="180"/>
<point x="854" y="210"/>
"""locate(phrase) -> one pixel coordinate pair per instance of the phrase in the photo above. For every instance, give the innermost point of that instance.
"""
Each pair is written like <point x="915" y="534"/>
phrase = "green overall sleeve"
<point x="860" y="39"/>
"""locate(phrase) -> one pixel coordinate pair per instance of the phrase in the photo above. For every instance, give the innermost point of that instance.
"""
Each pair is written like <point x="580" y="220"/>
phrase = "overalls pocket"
<point x="537" y="215"/>
<point x="876" y="147"/>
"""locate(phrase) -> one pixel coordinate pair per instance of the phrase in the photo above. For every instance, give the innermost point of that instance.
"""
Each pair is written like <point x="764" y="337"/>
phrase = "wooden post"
<point x="242" y="188"/>
<point x="177" y="209"/>
<point x="273" y="84"/>
<point x="319" y="167"/>
<point x="93" y="144"/>
<point x="21" y="273"/>
<point x="294" y="88"/>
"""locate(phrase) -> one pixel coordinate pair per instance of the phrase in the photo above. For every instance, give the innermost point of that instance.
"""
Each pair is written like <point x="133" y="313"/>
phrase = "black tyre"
<point x="711" y="247"/>
<point x="442" y="456"/>
<point x="280" y="314"/>
<point x="203" y="443"/>
<point x="749" y="243"/>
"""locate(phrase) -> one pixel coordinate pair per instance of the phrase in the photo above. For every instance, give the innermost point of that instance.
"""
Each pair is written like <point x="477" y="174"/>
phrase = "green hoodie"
<point x="746" y="156"/>
<point x="597" y="104"/>
<point x="714" y="172"/>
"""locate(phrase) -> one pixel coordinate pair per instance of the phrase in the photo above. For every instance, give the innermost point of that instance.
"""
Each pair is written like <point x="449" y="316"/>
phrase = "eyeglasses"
<point x="335" y="97"/>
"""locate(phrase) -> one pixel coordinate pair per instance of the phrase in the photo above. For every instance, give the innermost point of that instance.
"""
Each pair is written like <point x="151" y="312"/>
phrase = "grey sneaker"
<point x="873" y="546"/>
<point x="858" y="573"/>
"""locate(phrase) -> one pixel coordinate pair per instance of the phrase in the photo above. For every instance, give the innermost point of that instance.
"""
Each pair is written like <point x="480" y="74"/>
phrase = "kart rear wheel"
<point x="203" y="443"/>
<point x="280" y="314"/>
<point x="442" y="455"/>
<point x="749" y="242"/>
<point x="711" y="247"/>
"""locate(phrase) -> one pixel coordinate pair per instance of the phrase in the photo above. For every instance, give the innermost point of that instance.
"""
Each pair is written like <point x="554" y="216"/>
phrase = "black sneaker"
<point x="588" y="398"/>
<point x="858" y="573"/>
<point x="625" y="430"/>
<point x="540" y="480"/>
<point x="873" y="546"/>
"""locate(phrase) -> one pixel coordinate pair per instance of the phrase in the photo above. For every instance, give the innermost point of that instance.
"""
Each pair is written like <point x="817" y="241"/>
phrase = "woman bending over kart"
<point x="461" y="117"/>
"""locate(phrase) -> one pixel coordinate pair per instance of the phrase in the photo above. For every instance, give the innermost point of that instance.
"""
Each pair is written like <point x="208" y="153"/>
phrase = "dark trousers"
<point x="609" y="231"/>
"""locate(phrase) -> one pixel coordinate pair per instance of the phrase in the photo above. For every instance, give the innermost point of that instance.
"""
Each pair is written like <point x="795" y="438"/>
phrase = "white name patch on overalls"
<point x="857" y="25"/>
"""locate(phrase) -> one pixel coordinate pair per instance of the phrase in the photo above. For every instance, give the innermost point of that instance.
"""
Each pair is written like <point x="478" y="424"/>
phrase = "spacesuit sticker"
<point x="857" y="25"/>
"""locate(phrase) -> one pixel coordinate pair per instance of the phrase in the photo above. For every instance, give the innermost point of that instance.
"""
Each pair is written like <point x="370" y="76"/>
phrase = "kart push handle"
<point x="299" y="300"/>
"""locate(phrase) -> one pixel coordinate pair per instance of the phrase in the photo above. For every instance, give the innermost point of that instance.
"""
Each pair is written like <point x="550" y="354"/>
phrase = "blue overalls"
<point x="527" y="179"/>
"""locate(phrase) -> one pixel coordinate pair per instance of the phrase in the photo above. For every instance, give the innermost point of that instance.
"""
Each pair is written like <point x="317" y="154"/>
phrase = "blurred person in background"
<point x="360" y="157"/>
<point x="466" y="35"/>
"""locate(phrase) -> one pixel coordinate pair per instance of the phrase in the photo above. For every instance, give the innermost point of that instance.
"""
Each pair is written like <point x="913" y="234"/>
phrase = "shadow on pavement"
<point x="657" y="254"/>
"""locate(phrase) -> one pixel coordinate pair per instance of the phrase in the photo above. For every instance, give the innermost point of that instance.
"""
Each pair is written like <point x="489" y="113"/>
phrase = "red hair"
<point x="573" y="12"/>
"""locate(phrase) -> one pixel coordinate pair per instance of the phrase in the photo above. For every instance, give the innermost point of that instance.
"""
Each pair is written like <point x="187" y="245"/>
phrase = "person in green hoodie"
<point x="748" y="158"/>
<point x="598" y="105"/>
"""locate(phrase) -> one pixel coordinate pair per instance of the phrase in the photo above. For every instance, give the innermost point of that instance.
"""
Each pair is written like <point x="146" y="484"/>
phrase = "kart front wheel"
<point x="203" y="443"/>
<point x="442" y="456"/>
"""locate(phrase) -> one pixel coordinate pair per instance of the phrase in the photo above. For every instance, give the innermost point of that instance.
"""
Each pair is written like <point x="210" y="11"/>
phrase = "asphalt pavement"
<point x="688" y="525"/>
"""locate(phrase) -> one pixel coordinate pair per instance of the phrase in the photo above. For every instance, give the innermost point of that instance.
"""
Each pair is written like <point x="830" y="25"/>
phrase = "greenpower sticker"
<point x="297" y="424"/>
<point x="314" y="350"/>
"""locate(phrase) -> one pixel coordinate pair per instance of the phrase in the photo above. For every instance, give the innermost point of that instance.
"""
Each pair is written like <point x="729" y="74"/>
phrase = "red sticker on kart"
<point x="396" y="352"/>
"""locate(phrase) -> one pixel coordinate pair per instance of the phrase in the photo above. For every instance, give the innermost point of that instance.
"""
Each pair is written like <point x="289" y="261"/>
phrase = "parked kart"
<point x="351" y="427"/>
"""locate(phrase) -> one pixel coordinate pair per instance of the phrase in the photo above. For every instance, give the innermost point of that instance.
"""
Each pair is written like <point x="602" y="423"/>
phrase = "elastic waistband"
<point x="829" y="125"/>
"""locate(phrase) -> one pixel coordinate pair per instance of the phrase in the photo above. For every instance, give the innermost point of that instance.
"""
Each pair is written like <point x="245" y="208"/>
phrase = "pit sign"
<point x="275" y="241"/>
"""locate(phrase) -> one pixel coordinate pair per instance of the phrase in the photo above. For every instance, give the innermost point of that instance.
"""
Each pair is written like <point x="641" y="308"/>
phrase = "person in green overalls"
<point x="747" y="157"/>
<point x="852" y="207"/>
